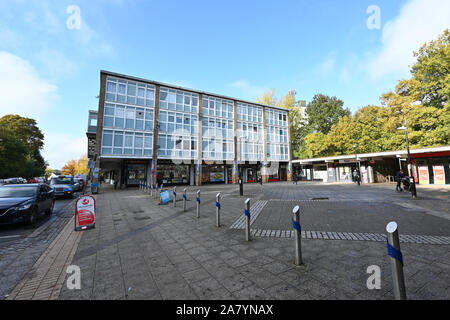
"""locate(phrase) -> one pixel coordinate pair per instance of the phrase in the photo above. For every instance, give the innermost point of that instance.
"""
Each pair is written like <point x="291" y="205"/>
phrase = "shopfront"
<point x="171" y="174"/>
<point x="214" y="173"/>
<point x="135" y="172"/>
<point x="434" y="170"/>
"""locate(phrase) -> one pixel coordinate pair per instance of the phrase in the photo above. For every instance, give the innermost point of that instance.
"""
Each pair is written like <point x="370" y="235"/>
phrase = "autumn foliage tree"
<point x="79" y="166"/>
<point x="422" y="103"/>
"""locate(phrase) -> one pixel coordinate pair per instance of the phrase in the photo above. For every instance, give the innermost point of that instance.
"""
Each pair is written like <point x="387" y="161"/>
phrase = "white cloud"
<point x="22" y="90"/>
<point x="419" y="21"/>
<point x="60" y="148"/>
<point x="250" y="91"/>
<point x="57" y="65"/>
<point x="327" y="66"/>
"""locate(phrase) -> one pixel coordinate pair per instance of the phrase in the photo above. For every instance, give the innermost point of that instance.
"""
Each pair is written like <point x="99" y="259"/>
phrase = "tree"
<point x="69" y="168"/>
<point x="82" y="165"/>
<point x="79" y="166"/>
<point x="423" y="102"/>
<point x="323" y="112"/>
<point x="430" y="84"/>
<point x="20" y="149"/>
<point x="268" y="98"/>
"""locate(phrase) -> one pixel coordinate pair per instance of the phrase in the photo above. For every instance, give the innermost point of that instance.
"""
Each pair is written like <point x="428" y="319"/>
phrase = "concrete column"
<point x="155" y="136"/>
<point x="265" y="176"/>
<point x="289" y="167"/>
<point x="198" y="168"/>
<point x="235" y="172"/>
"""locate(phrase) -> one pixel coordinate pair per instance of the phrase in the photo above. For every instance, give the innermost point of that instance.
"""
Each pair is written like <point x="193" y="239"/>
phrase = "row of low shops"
<point x="130" y="172"/>
<point x="431" y="166"/>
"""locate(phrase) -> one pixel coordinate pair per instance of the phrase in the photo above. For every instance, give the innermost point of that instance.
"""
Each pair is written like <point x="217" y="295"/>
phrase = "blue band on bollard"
<point x="184" y="196"/>
<point x="247" y="213"/>
<point x="198" y="199"/>
<point x="174" y="194"/>
<point x="394" y="253"/>
<point x="217" y="204"/>
<point x="296" y="225"/>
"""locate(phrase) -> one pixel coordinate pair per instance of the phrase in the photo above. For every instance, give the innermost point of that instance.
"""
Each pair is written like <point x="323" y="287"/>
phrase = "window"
<point x="111" y="87"/>
<point x="118" y="139"/>
<point x="122" y="88"/>
<point x="107" y="138"/>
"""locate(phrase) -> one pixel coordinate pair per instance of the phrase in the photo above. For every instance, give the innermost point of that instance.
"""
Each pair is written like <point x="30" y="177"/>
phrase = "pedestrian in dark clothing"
<point x="399" y="178"/>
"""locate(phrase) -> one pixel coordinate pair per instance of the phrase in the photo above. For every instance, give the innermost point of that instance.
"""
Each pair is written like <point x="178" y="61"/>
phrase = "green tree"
<point x="423" y="102"/>
<point x="323" y="112"/>
<point x="20" y="150"/>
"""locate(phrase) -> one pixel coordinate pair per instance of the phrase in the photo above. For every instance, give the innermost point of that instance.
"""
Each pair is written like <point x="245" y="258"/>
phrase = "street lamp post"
<point x="413" y="184"/>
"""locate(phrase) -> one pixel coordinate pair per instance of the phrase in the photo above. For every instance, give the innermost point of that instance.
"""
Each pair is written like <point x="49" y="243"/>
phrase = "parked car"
<point x="63" y="186"/>
<point x="25" y="202"/>
<point x="14" y="181"/>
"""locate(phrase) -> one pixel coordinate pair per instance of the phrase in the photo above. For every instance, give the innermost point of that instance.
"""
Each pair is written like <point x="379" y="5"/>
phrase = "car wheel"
<point x="50" y="210"/>
<point x="33" y="216"/>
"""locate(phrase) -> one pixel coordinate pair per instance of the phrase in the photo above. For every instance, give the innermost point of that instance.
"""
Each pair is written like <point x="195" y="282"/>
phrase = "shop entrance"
<point x="135" y="173"/>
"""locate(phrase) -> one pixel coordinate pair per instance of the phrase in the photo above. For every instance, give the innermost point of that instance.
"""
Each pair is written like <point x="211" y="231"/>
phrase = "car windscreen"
<point x="61" y="181"/>
<point x="17" y="192"/>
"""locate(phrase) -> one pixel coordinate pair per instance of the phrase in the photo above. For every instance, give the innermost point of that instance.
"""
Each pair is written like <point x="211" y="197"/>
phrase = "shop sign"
<point x="439" y="174"/>
<point x="165" y="197"/>
<point x="423" y="175"/>
<point x="85" y="213"/>
<point x="216" y="176"/>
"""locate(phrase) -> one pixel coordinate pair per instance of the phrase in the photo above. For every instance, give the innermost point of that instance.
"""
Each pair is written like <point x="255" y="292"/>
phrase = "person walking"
<point x="357" y="177"/>
<point x="399" y="178"/>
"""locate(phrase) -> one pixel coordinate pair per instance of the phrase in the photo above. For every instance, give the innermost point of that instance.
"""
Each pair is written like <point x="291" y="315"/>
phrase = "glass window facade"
<point x="277" y="135"/>
<point x="129" y="123"/>
<point x="128" y="119"/>
<point x="250" y="136"/>
<point x="178" y="124"/>
<point x="217" y="129"/>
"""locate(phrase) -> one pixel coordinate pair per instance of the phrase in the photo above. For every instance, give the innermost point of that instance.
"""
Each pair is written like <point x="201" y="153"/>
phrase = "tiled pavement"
<point x="140" y="250"/>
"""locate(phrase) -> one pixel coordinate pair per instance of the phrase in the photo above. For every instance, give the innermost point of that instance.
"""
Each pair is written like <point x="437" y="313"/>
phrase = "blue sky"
<point x="237" y="48"/>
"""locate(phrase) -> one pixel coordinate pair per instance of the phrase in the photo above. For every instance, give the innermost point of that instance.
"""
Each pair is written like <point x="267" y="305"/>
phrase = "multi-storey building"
<point x="147" y="130"/>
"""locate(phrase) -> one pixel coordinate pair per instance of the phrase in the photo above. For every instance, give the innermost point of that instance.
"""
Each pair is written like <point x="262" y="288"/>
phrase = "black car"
<point x="25" y="202"/>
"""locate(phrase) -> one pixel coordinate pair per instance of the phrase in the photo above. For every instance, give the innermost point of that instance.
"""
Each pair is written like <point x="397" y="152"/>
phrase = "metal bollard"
<point x="184" y="199"/>
<point x="198" y="204"/>
<point x="298" y="235"/>
<point x="151" y="190"/>
<point x="247" y="219"/>
<point x="140" y="185"/>
<point x="393" y="247"/>
<point x="174" y="196"/>
<point x="156" y="191"/>
<point x="218" y="210"/>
